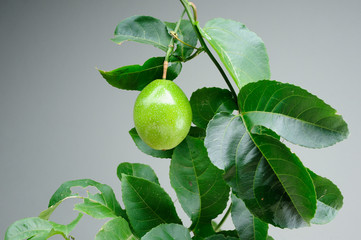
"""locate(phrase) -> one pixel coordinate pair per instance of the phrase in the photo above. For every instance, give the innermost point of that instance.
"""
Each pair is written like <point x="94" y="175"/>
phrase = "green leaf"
<point x="27" y="228"/>
<point x="99" y="205"/>
<point x="270" y="238"/>
<point x="168" y="232"/>
<point x="136" y="77"/>
<point x="147" y="204"/>
<point x="143" y="29"/>
<point x="329" y="199"/>
<point x="262" y="171"/>
<point x="199" y="185"/>
<point x="137" y="170"/>
<point x="221" y="237"/>
<point x="206" y="102"/>
<point x="115" y="229"/>
<point x="142" y="146"/>
<point x="186" y="34"/>
<point x="66" y="229"/>
<point x="248" y="226"/>
<point x="291" y="112"/>
<point x="241" y="51"/>
<point x="197" y="132"/>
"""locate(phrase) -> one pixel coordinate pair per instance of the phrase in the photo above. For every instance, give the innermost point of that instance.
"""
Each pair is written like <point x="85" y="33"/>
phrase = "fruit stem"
<point x="171" y="46"/>
<point x="218" y="227"/>
<point x="194" y="22"/>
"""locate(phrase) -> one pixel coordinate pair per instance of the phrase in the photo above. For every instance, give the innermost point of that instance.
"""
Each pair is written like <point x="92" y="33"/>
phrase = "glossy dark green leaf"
<point x="99" y="205"/>
<point x="200" y="188"/>
<point x="206" y="102"/>
<point x="248" y="226"/>
<point x="147" y="204"/>
<point x="292" y="113"/>
<point x="66" y="229"/>
<point x="168" y="232"/>
<point x="262" y="171"/>
<point x="221" y="237"/>
<point x="137" y="170"/>
<point x="136" y="77"/>
<point x="329" y="199"/>
<point x="241" y="51"/>
<point x="115" y="229"/>
<point x="27" y="228"/>
<point x="187" y="35"/>
<point x="197" y="132"/>
<point x="143" y="29"/>
<point x="142" y="146"/>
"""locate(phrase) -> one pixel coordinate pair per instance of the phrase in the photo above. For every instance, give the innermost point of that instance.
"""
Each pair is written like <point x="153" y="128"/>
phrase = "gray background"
<point x="59" y="120"/>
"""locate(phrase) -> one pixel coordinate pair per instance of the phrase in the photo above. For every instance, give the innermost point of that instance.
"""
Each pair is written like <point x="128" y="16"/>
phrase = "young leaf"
<point x="199" y="185"/>
<point x="241" y="51"/>
<point x="206" y="102"/>
<point x="137" y="170"/>
<point x="115" y="229"/>
<point x="262" y="171"/>
<point x="329" y="199"/>
<point x="248" y="226"/>
<point x="66" y="229"/>
<point x="27" y="228"/>
<point x="147" y="204"/>
<point x="136" y="77"/>
<point x="168" y="232"/>
<point x="187" y="35"/>
<point x="99" y="205"/>
<point x="143" y="29"/>
<point x="142" y="146"/>
<point x="291" y="112"/>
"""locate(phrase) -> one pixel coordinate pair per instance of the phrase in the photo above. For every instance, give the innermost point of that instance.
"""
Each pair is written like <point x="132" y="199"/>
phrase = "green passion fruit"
<point x="162" y="115"/>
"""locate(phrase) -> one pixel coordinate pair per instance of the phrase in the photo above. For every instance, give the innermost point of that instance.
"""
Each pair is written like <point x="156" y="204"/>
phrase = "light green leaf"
<point x="329" y="199"/>
<point x="199" y="185"/>
<point x="142" y="146"/>
<point x="137" y="170"/>
<point x="186" y="34"/>
<point x="291" y="112"/>
<point x="147" y="204"/>
<point x="241" y="51"/>
<point x="248" y="226"/>
<point x="99" y="205"/>
<point x="115" y="229"/>
<point x="143" y="29"/>
<point x="206" y="102"/>
<point x="136" y="77"/>
<point x="262" y="171"/>
<point x="27" y="228"/>
<point x="66" y="229"/>
<point x="168" y="232"/>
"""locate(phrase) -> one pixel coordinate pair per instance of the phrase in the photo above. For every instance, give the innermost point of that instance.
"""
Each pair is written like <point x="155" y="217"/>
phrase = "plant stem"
<point x="224" y="218"/>
<point x="171" y="47"/>
<point x="186" y="5"/>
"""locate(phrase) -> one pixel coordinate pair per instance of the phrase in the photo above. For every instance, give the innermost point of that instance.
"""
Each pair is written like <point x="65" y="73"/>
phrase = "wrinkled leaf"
<point x="206" y="102"/>
<point x="27" y="228"/>
<point x="329" y="199"/>
<point x="248" y="226"/>
<point x="136" y="77"/>
<point x="99" y="205"/>
<point x="187" y="35"/>
<point x="241" y="51"/>
<point x="291" y="112"/>
<point x="142" y="146"/>
<point x="262" y="171"/>
<point x="200" y="188"/>
<point x="137" y="170"/>
<point x="147" y="204"/>
<point x="143" y="29"/>
<point x="168" y="232"/>
<point x="115" y="229"/>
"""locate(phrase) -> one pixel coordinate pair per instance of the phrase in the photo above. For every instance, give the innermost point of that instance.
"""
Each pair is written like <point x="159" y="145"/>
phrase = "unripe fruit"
<point x="162" y="115"/>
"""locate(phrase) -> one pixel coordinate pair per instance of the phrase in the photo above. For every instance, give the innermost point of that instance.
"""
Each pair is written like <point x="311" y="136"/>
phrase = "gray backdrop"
<point x="59" y="120"/>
